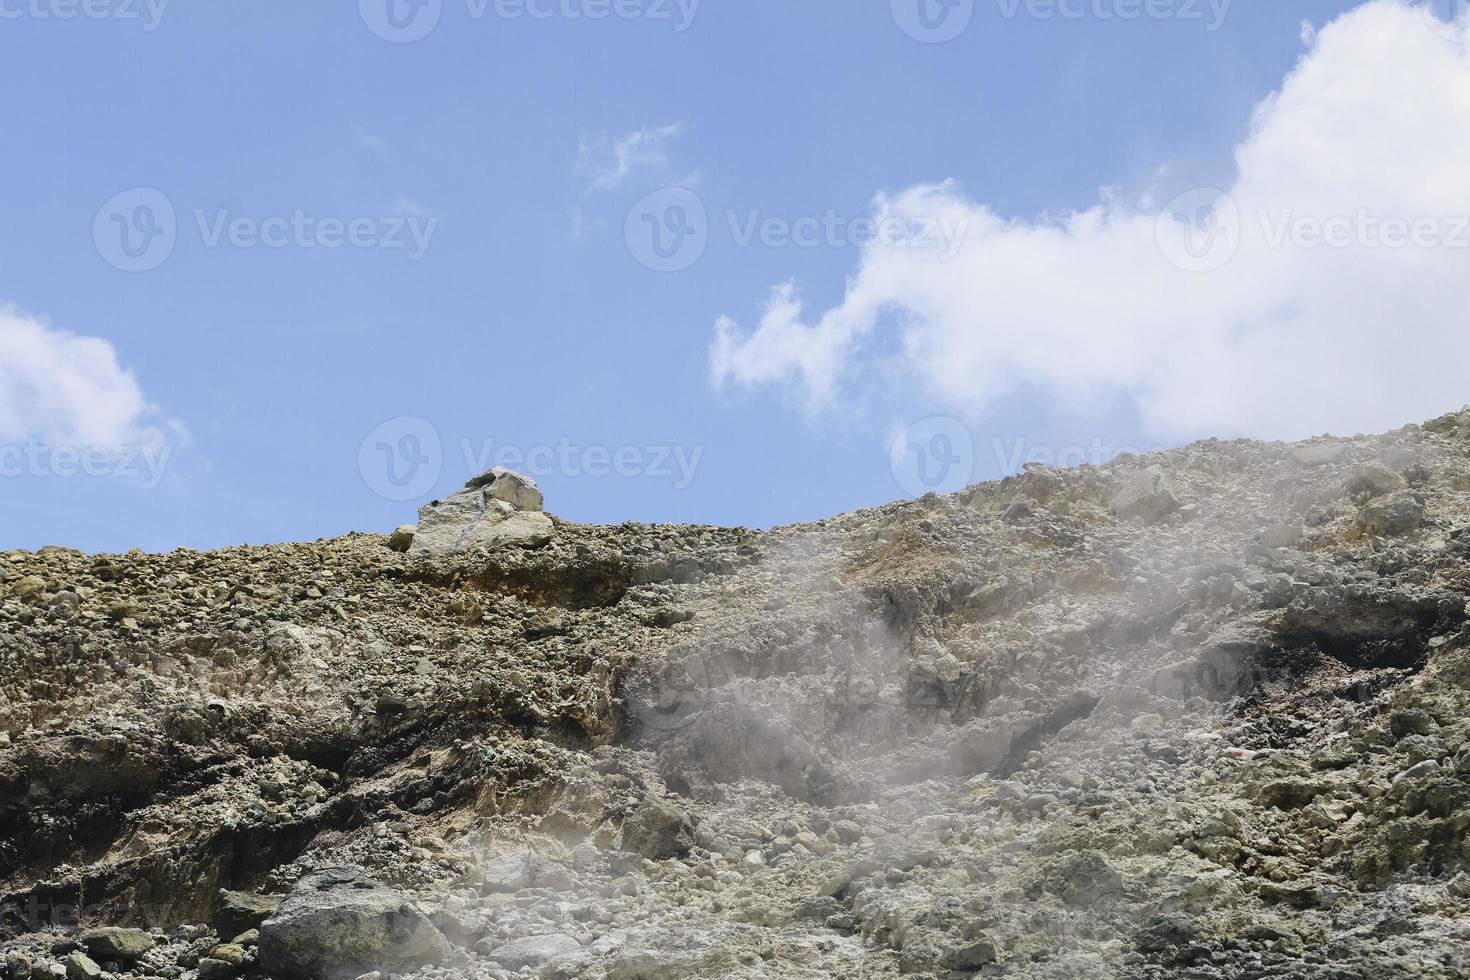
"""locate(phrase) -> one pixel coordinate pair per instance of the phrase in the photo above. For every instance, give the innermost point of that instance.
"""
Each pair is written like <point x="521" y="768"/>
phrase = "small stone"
<point x="29" y="587"/>
<point x="1418" y="769"/>
<point x="229" y="952"/>
<point x="80" y="966"/>
<point x="211" y="968"/>
<point x="972" y="956"/>
<point x="402" y="537"/>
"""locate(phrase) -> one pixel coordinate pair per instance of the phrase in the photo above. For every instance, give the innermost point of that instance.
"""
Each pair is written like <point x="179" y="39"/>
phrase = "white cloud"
<point x="62" y="389"/>
<point x="1367" y="136"/>
<point x="607" y="162"/>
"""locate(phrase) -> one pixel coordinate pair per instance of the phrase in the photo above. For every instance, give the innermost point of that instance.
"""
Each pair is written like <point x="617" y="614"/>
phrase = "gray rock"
<point x="402" y="538"/>
<point x="1396" y="514"/>
<point x="79" y="966"/>
<point x="338" y="924"/>
<point x="533" y="951"/>
<point x="507" y="873"/>
<point x="473" y="519"/>
<point x="516" y="489"/>
<point x="111" y="943"/>
<point x="659" y="829"/>
<point x="241" y="912"/>
<point x="1147" y="497"/>
<point x="214" y="969"/>
<point x="1375" y="481"/>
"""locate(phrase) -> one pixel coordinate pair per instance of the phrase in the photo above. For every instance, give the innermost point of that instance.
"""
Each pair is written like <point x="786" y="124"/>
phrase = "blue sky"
<point x="290" y="383"/>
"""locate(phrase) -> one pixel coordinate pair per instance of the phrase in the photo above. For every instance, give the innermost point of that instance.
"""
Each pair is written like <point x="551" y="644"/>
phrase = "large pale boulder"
<point x="338" y="924"/>
<point x="497" y="509"/>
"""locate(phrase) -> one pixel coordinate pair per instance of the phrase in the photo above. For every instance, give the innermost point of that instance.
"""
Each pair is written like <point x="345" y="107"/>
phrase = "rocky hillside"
<point x="1200" y="714"/>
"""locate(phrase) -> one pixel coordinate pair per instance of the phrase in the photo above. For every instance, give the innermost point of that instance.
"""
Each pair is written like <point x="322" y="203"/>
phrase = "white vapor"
<point x="1367" y="141"/>
<point x="608" y="162"/>
<point x="61" y="389"/>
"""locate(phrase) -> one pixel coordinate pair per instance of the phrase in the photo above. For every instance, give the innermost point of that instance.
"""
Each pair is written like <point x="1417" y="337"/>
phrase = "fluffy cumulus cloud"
<point x="61" y="389"/>
<point x="1327" y="289"/>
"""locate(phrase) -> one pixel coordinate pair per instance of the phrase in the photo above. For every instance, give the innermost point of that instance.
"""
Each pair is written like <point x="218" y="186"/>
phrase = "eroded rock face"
<point x="1194" y="714"/>
<point x="338" y="924"/>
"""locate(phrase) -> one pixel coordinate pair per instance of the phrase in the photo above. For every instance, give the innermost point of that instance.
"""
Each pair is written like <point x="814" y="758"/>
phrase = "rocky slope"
<point x="1200" y="714"/>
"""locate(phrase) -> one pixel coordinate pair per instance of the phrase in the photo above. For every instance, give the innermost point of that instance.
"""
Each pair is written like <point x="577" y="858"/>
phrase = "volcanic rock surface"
<point x="1199" y="714"/>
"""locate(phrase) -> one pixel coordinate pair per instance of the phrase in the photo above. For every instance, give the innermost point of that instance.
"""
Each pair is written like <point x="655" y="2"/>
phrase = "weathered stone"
<point x="213" y="968"/>
<point x="338" y="924"/>
<point x="472" y="519"/>
<point x="659" y="829"/>
<point x="28" y="587"/>
<point x="1147" y="497"/>
<point x="534" y="951"/>
<point x="516" y="489"/>
<point x="240" y="912"/>
<point x="79" y="966"/>
<point x="111" y="943"/>
<point x="1374" y="480"/>
<point x="1390" y="516"/>
<point x="402" y="537"/>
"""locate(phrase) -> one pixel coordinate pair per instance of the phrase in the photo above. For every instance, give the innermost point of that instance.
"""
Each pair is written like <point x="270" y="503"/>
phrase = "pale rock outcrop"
<point x="498" y="509"/>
